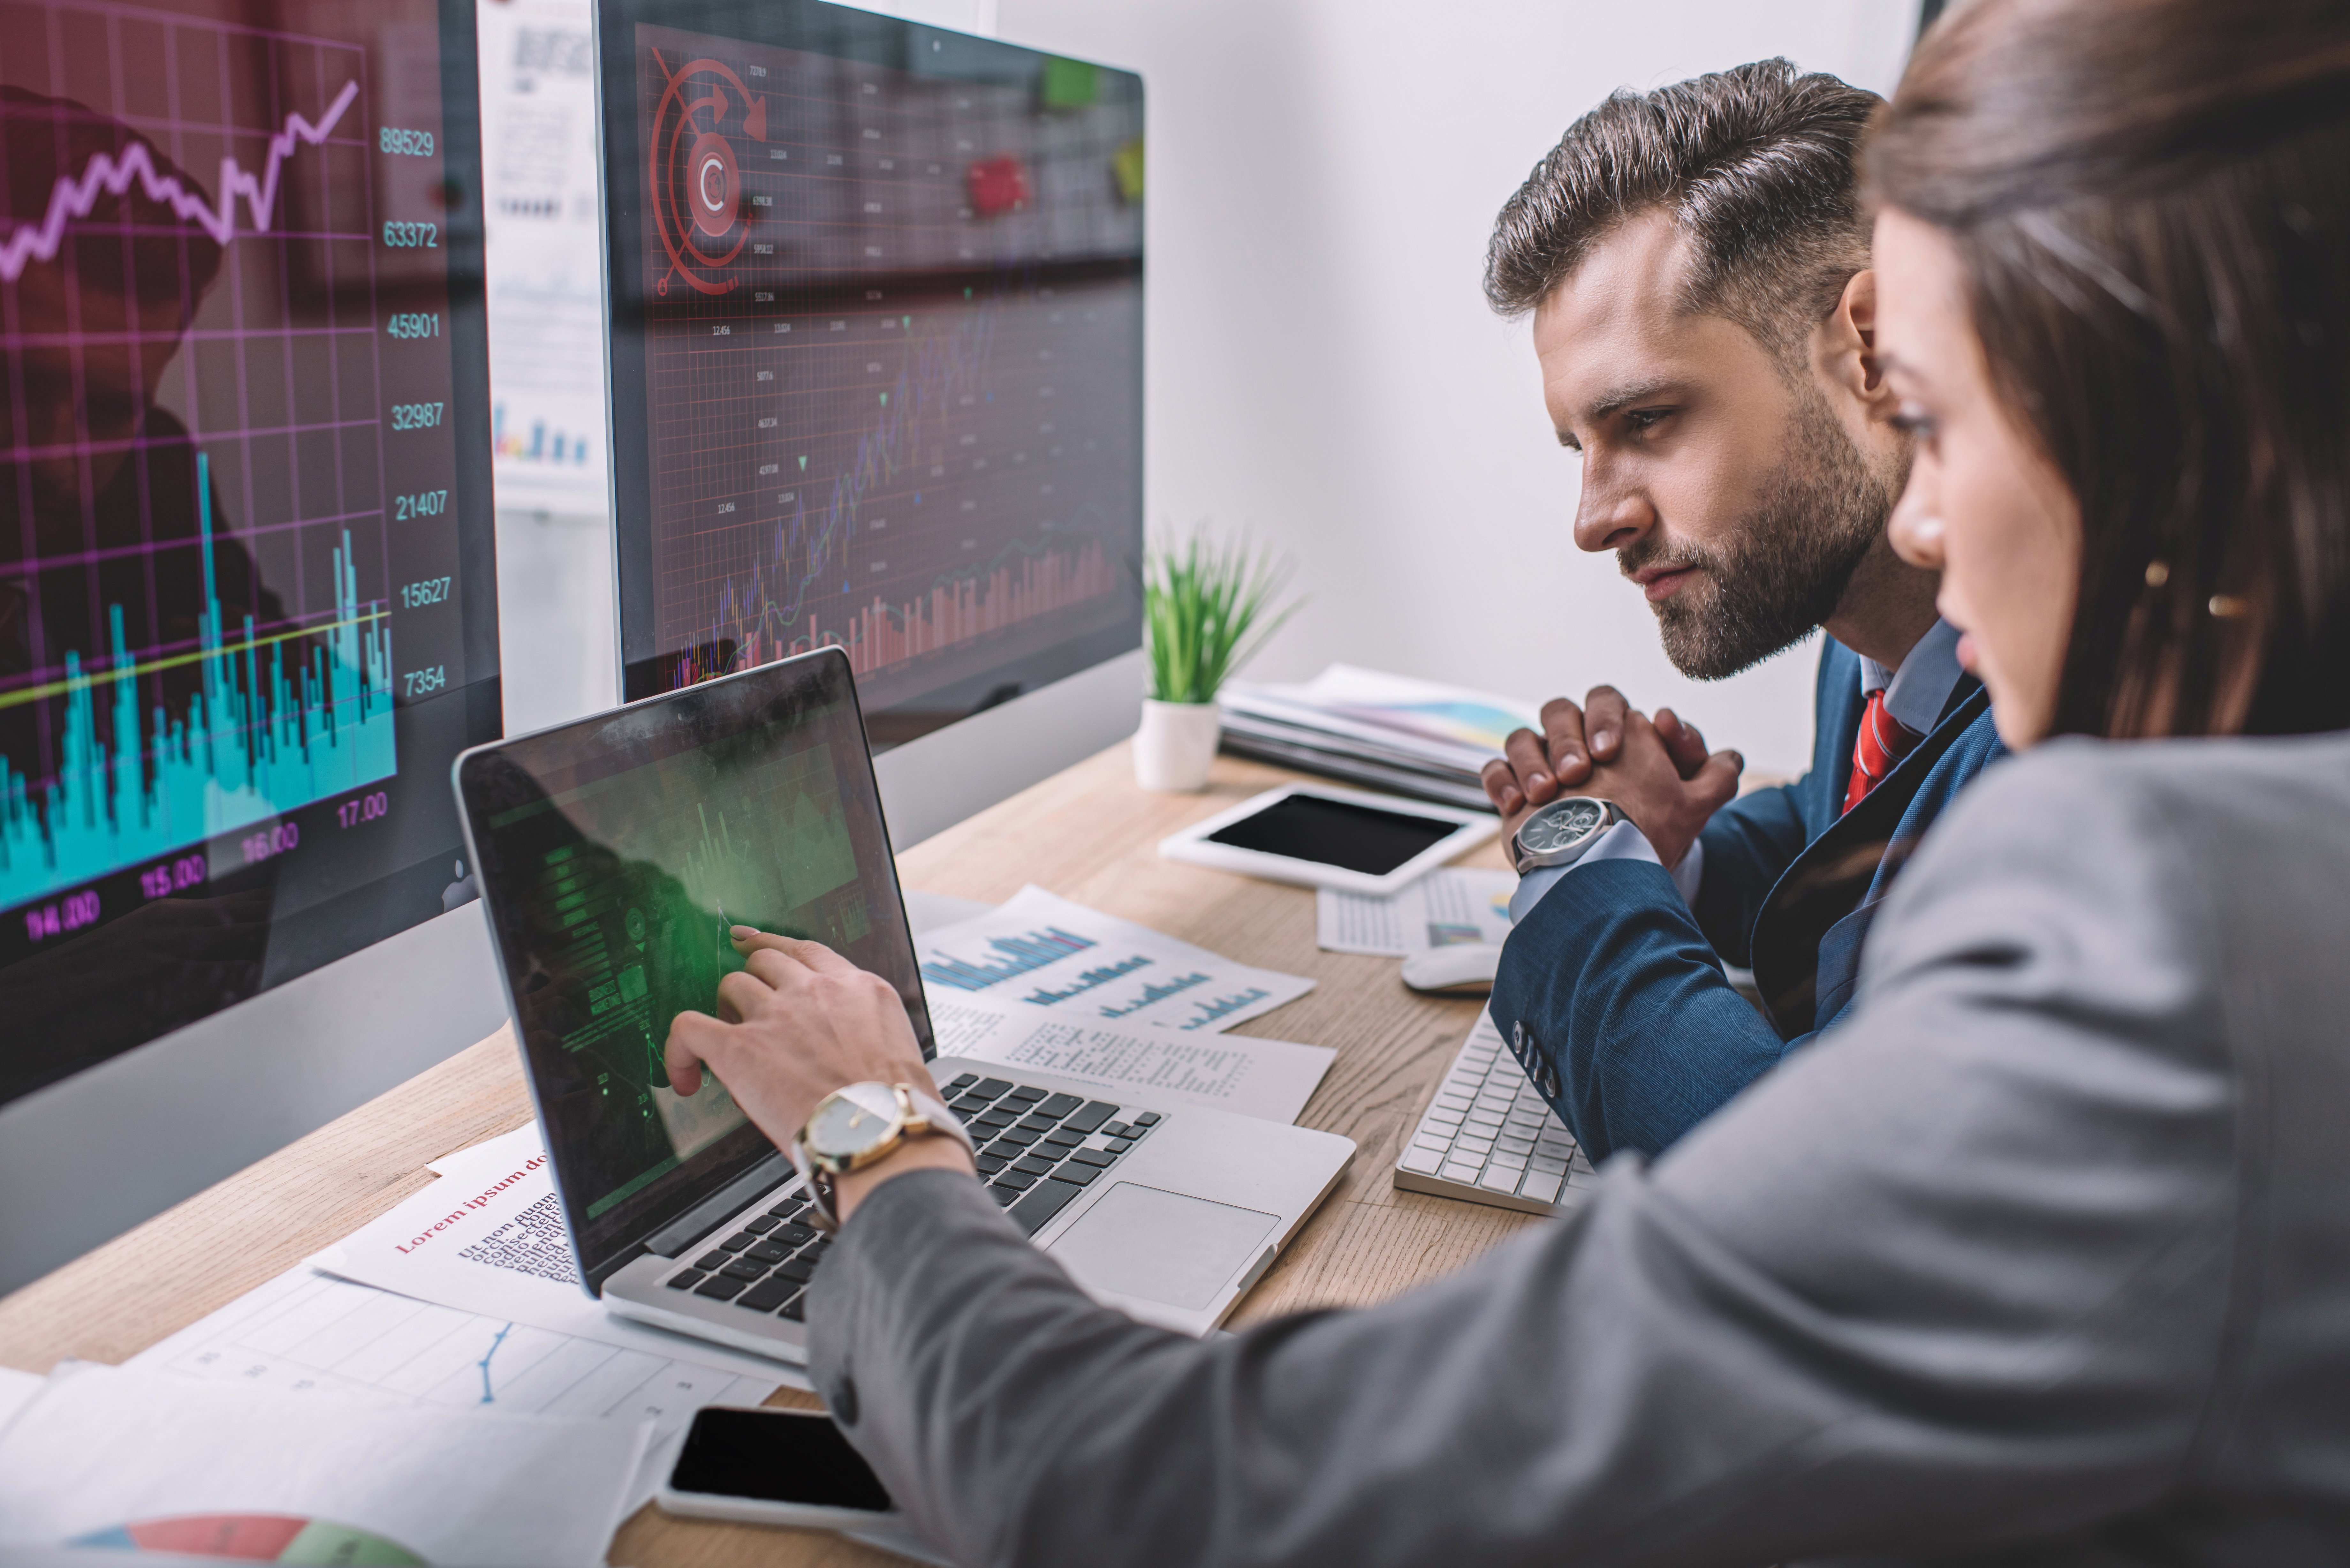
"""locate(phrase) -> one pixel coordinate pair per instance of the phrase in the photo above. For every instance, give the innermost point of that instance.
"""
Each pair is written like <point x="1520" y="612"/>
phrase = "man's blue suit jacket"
<point x="1611" y="991"/>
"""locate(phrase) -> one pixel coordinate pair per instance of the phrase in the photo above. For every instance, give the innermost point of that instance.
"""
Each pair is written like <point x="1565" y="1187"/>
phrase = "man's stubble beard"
<point x="1783" y="568"/>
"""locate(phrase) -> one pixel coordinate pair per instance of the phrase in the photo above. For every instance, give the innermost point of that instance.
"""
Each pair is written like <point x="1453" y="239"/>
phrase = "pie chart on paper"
<point x="256" y="1538"/>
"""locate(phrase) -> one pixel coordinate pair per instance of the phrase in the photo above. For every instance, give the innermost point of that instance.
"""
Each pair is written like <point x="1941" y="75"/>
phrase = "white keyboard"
<point x="1489" y="1135"/>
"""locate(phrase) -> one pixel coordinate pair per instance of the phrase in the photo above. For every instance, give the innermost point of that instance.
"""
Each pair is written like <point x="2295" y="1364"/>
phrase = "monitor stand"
<point x="86" y="1158"/>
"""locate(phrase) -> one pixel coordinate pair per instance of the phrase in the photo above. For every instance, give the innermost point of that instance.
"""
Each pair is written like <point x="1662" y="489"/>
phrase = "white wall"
<point x="1323" y="174"/>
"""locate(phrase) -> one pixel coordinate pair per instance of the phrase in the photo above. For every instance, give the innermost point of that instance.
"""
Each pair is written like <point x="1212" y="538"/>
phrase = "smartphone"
<point x="775" y="1467"/>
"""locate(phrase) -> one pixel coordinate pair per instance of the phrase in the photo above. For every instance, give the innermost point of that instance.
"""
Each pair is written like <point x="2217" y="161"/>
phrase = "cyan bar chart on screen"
<point x="261" y="737"/>
<point x="232" y="529"/>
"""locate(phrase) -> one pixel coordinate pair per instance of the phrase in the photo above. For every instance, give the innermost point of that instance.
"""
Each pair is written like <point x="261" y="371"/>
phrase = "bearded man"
<point x="1695" y="261"/>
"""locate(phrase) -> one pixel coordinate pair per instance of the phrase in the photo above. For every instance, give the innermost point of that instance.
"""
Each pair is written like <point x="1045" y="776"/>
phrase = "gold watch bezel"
<point x="909" y="1123"/>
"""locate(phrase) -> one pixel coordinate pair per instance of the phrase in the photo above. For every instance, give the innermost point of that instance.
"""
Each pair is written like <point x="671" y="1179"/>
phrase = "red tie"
<point x="1883" y="741"/>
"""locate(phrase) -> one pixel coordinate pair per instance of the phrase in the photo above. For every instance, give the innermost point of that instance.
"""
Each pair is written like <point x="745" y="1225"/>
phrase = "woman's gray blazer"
<point x="2042" y="1255"/>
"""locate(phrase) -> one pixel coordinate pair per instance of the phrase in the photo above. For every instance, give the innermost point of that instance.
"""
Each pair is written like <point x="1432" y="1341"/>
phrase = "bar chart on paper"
<point x="1013" y="957"/>
<point x="1086" y="980"/>
<point x="1072" y="963"/>
<point x="1156" y="991"/>
<point x="1209" y="1014"/>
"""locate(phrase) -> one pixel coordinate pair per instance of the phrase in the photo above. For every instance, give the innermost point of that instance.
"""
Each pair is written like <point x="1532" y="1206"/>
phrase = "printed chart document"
<point x="1247" y="1077"/>
<point x="1039" y="956"/>
<point x="487" y="1238"/>
<point x="305" y="1330"/>
<point x="135" y="1459"/>
<point x="1443" y="908"/>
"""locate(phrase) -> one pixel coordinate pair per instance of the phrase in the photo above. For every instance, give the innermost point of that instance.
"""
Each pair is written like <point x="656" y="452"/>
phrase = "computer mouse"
<point x="1465" y="968"/>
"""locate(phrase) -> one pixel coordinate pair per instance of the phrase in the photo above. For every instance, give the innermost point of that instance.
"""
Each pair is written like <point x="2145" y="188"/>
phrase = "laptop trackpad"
<point x="1162" y="1246"/>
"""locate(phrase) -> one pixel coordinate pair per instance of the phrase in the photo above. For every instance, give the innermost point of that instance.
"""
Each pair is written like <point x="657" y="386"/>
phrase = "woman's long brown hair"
<point x="2152" y="201"/>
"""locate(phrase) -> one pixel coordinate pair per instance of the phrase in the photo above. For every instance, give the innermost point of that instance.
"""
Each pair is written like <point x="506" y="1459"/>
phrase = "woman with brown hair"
<point x="2041" y="1253"/>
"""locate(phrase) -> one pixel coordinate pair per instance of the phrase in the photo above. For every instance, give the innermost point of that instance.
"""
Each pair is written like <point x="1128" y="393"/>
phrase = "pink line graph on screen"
<point x="74" y="198"/>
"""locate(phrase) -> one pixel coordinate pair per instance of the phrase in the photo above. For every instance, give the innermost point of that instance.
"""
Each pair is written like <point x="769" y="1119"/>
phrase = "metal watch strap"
<point x="940" y="1122"/>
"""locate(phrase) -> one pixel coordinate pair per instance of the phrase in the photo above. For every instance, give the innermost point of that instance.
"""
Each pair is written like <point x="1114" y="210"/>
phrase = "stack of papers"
<point x="1408" y="737"/>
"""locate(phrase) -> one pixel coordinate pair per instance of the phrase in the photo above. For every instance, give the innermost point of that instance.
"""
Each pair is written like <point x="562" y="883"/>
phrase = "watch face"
<point x="1560" y="826"/>
<point x="852" y="1120"/>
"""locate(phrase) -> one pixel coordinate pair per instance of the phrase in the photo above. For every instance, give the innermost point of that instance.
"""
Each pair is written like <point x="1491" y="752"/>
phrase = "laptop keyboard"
<point x="1037" y="1151"/>
<point x="764" y="1265"/>
<point x="1490" y="1137"/>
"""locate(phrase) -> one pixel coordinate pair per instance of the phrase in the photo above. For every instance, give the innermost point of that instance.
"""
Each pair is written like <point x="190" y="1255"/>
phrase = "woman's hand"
<point x="798" y="1023"/>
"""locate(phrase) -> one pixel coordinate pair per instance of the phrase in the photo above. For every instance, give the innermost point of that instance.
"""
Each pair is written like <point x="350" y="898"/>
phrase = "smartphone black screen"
<point x="776" y="1456"/>
<point x="1336" y="832"/>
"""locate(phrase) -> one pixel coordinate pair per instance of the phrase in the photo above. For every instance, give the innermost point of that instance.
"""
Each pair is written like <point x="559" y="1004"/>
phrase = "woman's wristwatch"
<point x="861" y="1124"/>
<point x="1560" y="832"/>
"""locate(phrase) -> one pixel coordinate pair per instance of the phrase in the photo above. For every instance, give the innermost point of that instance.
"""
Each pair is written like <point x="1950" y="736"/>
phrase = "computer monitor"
<point x="875" y="356"/>
<point x="247" y="602"/>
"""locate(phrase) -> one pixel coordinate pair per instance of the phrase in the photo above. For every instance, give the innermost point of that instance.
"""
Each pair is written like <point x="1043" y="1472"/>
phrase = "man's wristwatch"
<point x="855" y="1127"/>
<point x="1560" y="833"/>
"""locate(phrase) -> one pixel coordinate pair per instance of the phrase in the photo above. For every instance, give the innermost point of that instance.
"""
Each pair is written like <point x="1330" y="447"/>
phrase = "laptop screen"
<point x="615" y="853"/>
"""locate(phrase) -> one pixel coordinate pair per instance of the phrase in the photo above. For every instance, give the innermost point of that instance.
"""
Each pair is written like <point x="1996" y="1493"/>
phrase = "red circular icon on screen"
<point x="714" y="176"/>
<point x="700" y="209"/>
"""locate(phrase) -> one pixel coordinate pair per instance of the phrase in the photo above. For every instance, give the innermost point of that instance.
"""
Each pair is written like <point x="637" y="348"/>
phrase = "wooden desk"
<point x="1087" y="834"/>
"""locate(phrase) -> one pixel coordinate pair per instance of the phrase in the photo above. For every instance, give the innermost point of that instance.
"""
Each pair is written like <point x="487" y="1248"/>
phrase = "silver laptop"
<point x="615" y="853"/>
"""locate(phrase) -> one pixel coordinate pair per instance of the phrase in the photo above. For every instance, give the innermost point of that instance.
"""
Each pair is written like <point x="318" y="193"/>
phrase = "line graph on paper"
<point x="196" y="568"/>
<point x="489" y="1389"/>
<point x="305" y="1330"/>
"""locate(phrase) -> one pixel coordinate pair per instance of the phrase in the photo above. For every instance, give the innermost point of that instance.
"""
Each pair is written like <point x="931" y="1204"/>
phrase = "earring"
<point x="2228" y="607"/>
<point x="2157" y="574"/>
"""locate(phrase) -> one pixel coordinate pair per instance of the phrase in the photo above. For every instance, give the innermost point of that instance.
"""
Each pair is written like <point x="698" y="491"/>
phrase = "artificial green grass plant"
<point x="1206" y="608"/>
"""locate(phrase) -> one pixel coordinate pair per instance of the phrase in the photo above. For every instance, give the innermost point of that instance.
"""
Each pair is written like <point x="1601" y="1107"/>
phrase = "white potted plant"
<point x="1206" y="611"/>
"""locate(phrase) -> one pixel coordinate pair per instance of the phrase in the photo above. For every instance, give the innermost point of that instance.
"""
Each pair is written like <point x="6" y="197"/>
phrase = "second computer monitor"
<point x="876" y="352"/>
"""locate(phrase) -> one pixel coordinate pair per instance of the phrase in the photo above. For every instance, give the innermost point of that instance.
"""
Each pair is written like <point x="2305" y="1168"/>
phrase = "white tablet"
<point x="1324" y="836"/>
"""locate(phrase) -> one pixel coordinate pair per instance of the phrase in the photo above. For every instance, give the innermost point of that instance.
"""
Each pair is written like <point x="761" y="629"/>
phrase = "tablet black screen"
<point x="1336" y="832"/>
